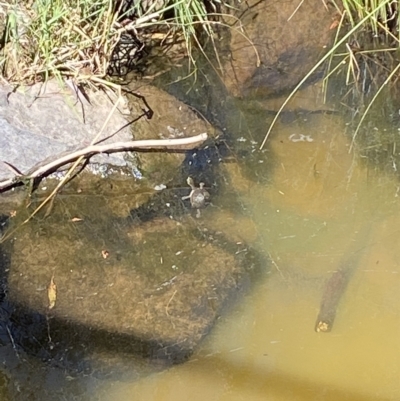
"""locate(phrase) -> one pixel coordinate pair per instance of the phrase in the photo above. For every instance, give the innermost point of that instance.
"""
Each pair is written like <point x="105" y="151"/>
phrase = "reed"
<point x="364" y="51"/>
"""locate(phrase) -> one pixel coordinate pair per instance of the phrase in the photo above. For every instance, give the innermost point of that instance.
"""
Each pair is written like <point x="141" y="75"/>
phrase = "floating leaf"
<point x="52" y="293"/>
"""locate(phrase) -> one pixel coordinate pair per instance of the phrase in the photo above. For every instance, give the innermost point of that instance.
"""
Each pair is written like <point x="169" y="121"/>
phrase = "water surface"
<point x="308" y="205"/>
<point x="321" y="206"/>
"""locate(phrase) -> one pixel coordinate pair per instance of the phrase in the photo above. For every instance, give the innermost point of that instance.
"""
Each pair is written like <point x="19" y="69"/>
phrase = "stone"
<point x="163" y="282"/>
<point x="171" y="118"/>
<point x="274" y="45"/>
<point x="45" y="119"/>
<point x="41" y="129"/>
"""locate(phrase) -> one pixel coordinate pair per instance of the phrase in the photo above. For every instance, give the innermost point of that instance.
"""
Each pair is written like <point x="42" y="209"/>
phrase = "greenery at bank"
<point x="86" y="39"/>
<point x="370" y="58"/>
<point x="373" y="30"/>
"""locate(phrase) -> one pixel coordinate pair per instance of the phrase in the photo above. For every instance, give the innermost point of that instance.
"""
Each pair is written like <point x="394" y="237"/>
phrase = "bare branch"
<point x="43" y="168"/>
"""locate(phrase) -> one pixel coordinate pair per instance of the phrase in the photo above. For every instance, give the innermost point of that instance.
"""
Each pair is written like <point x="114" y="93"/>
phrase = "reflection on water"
<point x="318" y="208"/>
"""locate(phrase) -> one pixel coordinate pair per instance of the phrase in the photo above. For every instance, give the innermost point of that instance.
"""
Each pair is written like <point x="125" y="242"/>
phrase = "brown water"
<point x="322" y="207"/>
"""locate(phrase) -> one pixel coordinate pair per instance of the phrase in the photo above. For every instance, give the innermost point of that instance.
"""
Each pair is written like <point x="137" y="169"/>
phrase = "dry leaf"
<point x="52" y="293"/>
<point x="105" y="254"/>
<point x="334" y="24"/>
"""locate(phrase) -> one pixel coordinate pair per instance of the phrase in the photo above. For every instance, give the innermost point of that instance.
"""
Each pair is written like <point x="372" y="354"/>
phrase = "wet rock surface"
<point x="274" y="45"/>
<point x="170" y="119"/>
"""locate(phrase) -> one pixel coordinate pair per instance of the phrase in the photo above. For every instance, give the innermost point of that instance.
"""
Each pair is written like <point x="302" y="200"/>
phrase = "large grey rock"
<point x="21" y="147"/>
<point x="35" y="129"/>
<point x="43" y="120"/>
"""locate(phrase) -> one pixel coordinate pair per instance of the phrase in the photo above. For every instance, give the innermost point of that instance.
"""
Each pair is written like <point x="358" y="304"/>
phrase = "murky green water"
<point x="308" y="205"/>
<point x="321" y="207"/>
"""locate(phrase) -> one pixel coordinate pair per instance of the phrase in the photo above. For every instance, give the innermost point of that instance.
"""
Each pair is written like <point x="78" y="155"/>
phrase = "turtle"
<point x="198" y="196"/>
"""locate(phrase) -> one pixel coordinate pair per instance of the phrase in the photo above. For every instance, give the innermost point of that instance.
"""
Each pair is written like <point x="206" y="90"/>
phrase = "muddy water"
<point x="314" y="206"/>
<point x="322" y="207"/>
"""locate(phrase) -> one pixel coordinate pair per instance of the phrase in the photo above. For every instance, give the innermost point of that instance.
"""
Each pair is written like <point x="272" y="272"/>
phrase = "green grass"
<point x="372" y="44"/>
<point x="365" y="48"/>
<point x="383" y="14"/>
<point x="76" y="38"/>
<point x="370" y="54"/>
<point x="62" y="38"/>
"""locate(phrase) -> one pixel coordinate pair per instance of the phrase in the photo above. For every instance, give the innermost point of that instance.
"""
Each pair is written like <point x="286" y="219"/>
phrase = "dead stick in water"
<point x="44" y="168"/>
<point x="334" y="289"/>
<point x="336" y="285"/>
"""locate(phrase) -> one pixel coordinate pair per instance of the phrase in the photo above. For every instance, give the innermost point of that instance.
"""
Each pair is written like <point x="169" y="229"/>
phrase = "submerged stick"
<point x="337" y="283"/>
<point x="334" y="289"/>
<point x="44" y="168"/>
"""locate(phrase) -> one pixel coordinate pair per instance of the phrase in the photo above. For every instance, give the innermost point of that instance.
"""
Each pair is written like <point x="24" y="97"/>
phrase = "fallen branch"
<point x="44" y="168"/>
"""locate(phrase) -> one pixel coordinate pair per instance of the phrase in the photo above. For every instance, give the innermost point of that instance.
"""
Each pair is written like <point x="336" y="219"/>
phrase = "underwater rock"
<point x="170" y="119"/>
<point x="161" y="284"/>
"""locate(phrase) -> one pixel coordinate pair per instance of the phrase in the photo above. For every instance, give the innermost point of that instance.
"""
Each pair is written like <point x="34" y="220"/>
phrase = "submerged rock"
<point x="161" y="284"/>
<point x="170" y="119"/>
